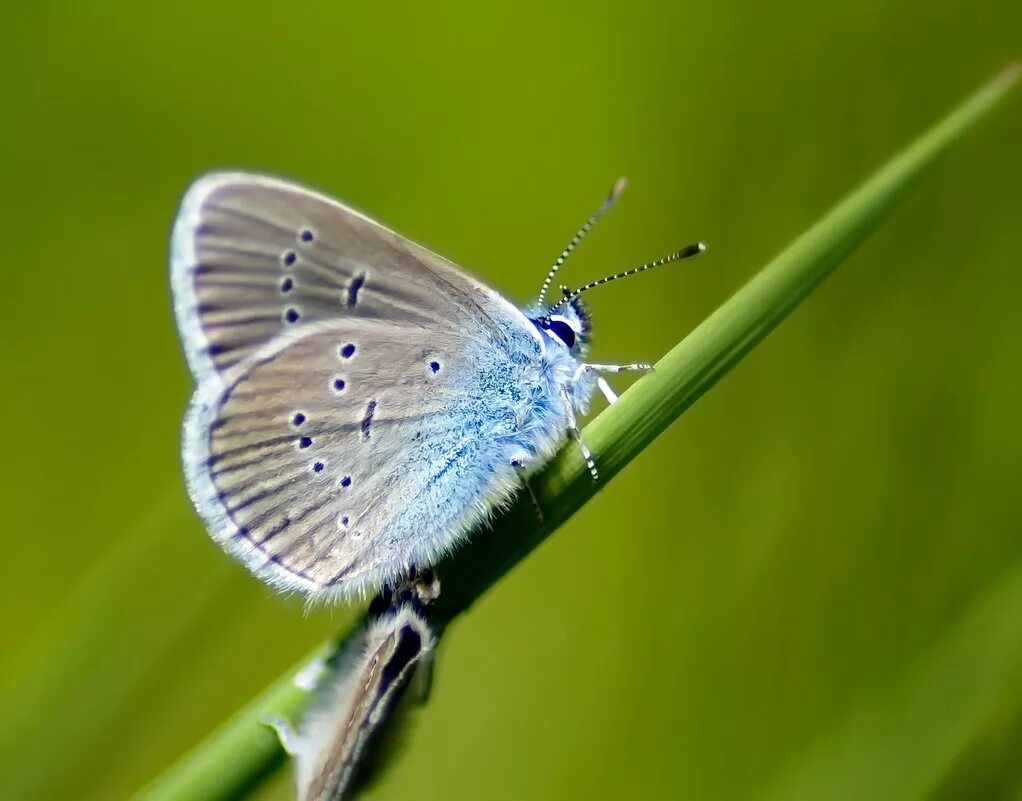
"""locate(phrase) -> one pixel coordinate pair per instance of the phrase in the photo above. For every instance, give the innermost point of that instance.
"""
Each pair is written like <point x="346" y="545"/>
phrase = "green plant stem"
<point x="243" y="750"/>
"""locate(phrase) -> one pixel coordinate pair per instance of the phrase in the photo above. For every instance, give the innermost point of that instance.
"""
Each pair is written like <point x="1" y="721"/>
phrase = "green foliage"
<point x="242" y="752"/>
<point x="809" y="579"/>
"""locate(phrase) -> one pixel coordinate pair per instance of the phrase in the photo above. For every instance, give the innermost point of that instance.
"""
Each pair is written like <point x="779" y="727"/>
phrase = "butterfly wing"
<point x="330" y="448"/>
<point x="253" y="257"/>
<point x="355" y="702"/>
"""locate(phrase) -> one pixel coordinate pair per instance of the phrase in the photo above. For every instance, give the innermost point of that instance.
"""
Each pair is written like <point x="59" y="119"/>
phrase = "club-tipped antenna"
<point x="615" y="193"/>
<point x="686" y="252"/>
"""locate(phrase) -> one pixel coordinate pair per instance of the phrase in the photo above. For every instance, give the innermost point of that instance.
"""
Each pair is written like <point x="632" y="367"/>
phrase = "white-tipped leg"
<point x="607" y="390"/>
<point x="518" y="465"/>
<point x="637" y="367"/>
<point x="573" y="428"/>
<point x="287" y="736"/>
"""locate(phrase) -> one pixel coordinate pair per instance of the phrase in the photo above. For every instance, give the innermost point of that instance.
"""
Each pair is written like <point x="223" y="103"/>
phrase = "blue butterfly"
<point x="361" y="403"/>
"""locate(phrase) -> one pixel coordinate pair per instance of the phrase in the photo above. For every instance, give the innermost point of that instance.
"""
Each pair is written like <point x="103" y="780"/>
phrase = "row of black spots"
<point x="287" y="283"/>
<point x="288" y="259"/>
<point x="299" y="419"/>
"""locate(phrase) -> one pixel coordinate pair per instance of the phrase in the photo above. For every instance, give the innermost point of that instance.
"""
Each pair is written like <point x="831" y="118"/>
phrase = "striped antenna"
<point x="685" y="253"/>
<point x="615" y="193"/>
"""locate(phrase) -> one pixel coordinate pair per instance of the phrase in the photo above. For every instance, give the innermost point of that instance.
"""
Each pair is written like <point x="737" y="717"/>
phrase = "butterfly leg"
<point x="601" y="382"/>
<point x="573" y="429"/>
<point x="607" y="390"/>
<point x="637" y="367"/>
<point x="519" y="465"/>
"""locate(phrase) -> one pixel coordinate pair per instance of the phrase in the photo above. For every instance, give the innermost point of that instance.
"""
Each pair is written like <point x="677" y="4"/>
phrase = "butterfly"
<point x="361" y="403"/>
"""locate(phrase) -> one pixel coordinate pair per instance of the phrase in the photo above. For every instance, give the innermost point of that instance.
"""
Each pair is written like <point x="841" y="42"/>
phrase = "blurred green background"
<point x="811" y="587"/>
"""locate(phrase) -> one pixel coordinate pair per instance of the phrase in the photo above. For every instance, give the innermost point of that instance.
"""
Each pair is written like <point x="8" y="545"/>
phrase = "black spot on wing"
<point x="353" y="289"/>
<point x="367" y="420"/>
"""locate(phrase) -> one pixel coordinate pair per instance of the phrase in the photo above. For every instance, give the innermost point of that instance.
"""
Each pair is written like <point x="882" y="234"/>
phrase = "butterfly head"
<point x="567" y="322"/>
<point x="567" y="326"/>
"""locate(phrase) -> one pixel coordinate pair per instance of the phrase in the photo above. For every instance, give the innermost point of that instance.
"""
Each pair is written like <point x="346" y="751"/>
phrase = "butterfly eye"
<point x="564" y="332"/>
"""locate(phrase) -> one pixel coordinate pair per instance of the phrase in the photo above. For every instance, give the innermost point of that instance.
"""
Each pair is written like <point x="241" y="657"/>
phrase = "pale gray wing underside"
<point x="328" y="351"/>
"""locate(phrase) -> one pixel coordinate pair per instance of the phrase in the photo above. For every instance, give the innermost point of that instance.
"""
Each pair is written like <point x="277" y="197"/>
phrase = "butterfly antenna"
<point x="615" y="193"/>
<point x="685" y="253"/>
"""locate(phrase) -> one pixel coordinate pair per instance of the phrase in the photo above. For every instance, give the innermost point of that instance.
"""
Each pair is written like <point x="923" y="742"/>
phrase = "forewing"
<point x="254" y="257"/>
